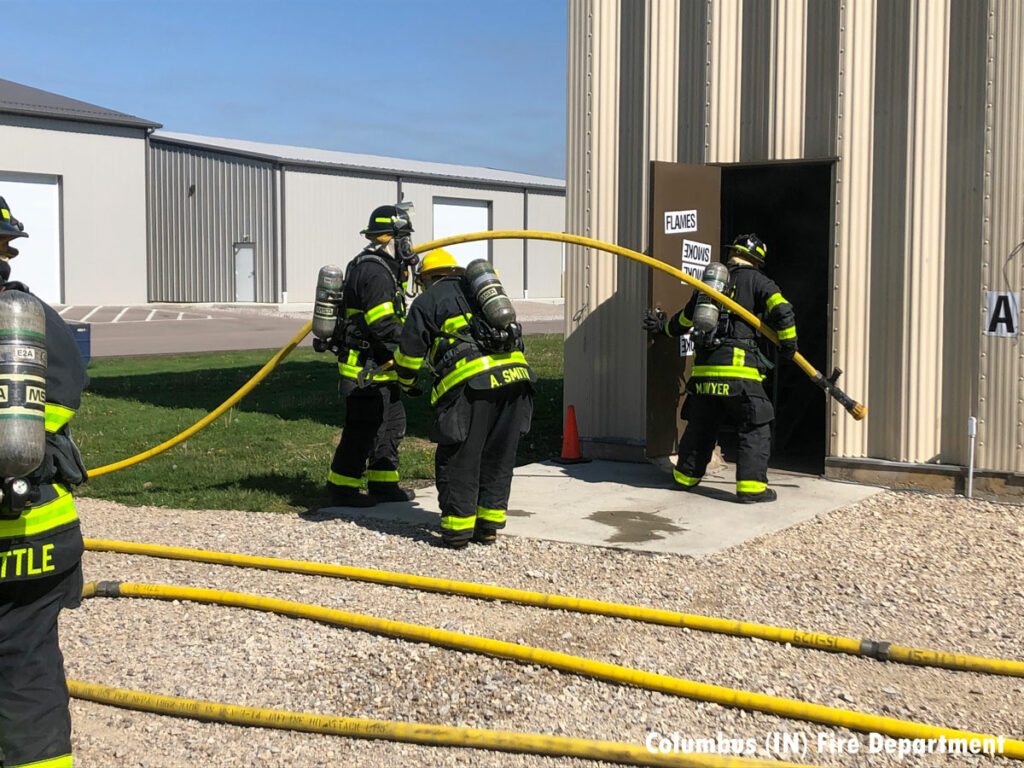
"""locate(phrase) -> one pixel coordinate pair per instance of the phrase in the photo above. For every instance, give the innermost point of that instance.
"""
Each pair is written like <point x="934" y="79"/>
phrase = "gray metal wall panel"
<point x="693" y="80"/>
<point x="1001" y="389"/>
<point x="888" y="245"/>
<point x="822" y="78"/>
<point x="965" y="153"/>
<point x="192" y="233"/>
<point x="545" y="259"/>
<point x="632" y="109"/>
<point x="756" y="80"/>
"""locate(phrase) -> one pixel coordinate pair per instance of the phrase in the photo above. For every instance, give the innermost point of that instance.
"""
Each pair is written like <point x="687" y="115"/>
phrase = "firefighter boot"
<point x="485" y="536"/>
<point x="756" y="498"/>
<point x="346" y="496"/>
<point x="390" y="492"/>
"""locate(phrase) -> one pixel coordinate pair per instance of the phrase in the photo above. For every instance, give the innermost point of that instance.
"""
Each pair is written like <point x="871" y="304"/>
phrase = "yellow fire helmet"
<point x="438" y="263"/>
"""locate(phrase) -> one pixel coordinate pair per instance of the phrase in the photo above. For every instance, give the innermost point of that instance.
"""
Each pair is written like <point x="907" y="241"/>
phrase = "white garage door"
<point x="35" y="200"/>
<point x="459" y="217"/>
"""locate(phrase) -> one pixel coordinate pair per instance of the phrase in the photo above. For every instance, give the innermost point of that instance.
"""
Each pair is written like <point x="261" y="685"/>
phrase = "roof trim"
<point x="456" y="174"/>
<point x="18" y="99"/>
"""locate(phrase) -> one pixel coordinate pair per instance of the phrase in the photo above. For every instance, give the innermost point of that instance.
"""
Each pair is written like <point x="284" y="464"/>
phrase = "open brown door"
<point x="686" y="234"/>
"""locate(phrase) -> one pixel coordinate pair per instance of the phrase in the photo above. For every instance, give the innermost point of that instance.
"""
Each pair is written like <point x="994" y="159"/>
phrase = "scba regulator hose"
<point x="731" y="697"/>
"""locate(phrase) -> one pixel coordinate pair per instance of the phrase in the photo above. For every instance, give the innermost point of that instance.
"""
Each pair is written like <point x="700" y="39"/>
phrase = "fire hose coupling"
<point x="108" y="589"/>
<point x="875" y="649"/>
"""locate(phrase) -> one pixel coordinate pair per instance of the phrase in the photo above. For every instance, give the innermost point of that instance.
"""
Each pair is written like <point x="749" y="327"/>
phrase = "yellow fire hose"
<point x="816" y="640"/>
<point x="413" y="733"/>
<point x="731" y="697"/>
<point x="213" y="415"/>
<point x="857" y="410"/>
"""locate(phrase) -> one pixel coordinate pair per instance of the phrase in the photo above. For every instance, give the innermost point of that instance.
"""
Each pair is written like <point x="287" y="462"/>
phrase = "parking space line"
<point x="70" y="306"/>
<point x="90" y="313"/>
<point x="150" y="315"/>
<point x="118" y="315"/>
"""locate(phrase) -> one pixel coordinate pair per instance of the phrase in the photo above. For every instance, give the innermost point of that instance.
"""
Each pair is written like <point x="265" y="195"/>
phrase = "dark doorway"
<point x="789" y="205"/>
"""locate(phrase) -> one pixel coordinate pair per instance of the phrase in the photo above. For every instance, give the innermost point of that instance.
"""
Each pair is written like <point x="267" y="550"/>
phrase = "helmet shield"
<point x="10" y="227"/>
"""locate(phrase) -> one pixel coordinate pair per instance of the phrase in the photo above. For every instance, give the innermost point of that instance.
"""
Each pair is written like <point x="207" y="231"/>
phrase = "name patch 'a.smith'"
<point x="26" y="561"/>
<point x="510" y="375"/>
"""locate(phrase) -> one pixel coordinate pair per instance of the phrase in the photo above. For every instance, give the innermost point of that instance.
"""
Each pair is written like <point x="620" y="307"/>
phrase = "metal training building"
<point x="877" y="146"/>
<point x="120" y="214"/>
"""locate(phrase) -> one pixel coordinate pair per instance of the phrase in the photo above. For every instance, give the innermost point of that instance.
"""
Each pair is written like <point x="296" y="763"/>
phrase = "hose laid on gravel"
<point x="865" y="648"/>
<point x="413" y="733"/>
<point x="730" y="697"/>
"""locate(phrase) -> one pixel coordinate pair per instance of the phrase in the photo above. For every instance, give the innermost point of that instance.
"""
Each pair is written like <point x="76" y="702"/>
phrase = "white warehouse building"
<point x="121" y="213"/>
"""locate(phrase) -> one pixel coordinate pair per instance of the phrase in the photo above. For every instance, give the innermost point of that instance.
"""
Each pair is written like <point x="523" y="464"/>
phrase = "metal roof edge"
<point x="79" y="117"/>
<point x="288" y="162"/>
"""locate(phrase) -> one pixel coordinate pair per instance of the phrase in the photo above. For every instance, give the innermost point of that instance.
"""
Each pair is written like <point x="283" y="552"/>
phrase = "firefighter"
<point x="725" y="385"/>
<point x="374" y="300"/>
<point x="482" y="394"/>
<point x="40" y="558"/>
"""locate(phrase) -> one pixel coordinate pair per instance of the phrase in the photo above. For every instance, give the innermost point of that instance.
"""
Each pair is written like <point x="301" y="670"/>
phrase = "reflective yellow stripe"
<point x="380" y="311"/>
<point x="491" y="515"/>
<point x="350" y="482"/>
<point x="382" y="475"/>
<point x="405" y="361"/>
<point x="406" y="382"/>
<point x="685" y="321"/>
<point x="739" y="357"/>
<point x="45" y="517"/>
<point x="468" y="369"/>
<point x="727" y="372"/>
<point x="352" y="372"/>
<point x="64" y="761"/>
<point x="353" y="312"/>
<point x="57" y="416"/>
<point x="787" y="333"/>
<point x="686" y="480"/>
<point x="450" y="523"/>
<point x="774" y="300"/>
<point x="385" y="219"/>
<point x="456" y="324"/>
<point x="750" y="486"/>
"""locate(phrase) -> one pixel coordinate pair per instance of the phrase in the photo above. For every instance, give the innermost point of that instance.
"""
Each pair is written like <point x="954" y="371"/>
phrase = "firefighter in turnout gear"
<point x="367" y="335"/>
<point x="482" y="394"/>
<point x="725" y="384"/>
<point x="40" y="554"/>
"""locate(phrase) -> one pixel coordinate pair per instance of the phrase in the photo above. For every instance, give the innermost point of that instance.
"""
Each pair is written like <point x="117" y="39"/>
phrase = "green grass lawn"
<point x="270" y="452"/>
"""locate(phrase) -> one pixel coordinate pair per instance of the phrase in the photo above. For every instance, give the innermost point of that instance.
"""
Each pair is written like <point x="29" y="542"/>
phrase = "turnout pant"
<point x="477" y="435"/>
<point x="374" y="426"/>
<point x="751" y="414"/>
<point x="35" y="725"/>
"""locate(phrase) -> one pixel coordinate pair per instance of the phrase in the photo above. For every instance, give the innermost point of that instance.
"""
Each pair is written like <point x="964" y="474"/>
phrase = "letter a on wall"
<point x="1002" y="311"/>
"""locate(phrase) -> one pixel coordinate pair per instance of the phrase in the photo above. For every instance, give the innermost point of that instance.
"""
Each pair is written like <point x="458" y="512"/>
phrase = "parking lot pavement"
<point x="155" y="329"/>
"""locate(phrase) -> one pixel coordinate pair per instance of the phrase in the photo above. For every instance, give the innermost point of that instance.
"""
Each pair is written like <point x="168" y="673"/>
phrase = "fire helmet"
<point x="751" y="246"/>
<point x="388" y="220"/>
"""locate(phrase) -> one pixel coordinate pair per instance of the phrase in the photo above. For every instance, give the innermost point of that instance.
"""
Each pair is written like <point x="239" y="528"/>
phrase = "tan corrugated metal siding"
<point x="200" y="205"/>
<point x="929" y="204"/>
<point x="1000" y="406"/>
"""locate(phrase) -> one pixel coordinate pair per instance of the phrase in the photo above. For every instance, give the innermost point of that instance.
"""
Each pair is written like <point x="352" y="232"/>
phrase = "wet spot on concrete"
<point x="635" y="527"/>
<point x="519" y="513"/>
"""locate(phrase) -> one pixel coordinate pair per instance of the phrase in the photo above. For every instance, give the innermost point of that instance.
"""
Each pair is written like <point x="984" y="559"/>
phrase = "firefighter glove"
<point x="654" y="322"/>
<point x="788" y="348"/>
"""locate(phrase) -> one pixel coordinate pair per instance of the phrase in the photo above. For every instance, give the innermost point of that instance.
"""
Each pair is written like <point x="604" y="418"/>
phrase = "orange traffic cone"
<point x="570" y="441"/>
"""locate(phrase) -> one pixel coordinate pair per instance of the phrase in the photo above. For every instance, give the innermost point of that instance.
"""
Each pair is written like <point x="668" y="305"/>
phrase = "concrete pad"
<point x="634" y="506"/>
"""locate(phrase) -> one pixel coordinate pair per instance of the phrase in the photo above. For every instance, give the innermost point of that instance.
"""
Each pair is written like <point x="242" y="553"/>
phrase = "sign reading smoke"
<point x="696" y="256"/>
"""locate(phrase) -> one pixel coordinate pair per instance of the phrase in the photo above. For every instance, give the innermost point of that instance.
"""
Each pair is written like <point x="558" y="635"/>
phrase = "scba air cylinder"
<point x="22" y="384"/>
<point x="705" y="314"/>
<point x="328" y="298"/>
<point x="490" y="294"/>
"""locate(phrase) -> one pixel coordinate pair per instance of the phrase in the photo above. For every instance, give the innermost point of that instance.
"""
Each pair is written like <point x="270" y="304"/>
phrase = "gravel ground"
<point x="919" y="570"/>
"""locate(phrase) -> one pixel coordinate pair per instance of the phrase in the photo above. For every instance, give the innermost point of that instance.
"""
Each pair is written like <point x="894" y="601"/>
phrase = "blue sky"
<point x="475" y="82"/>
